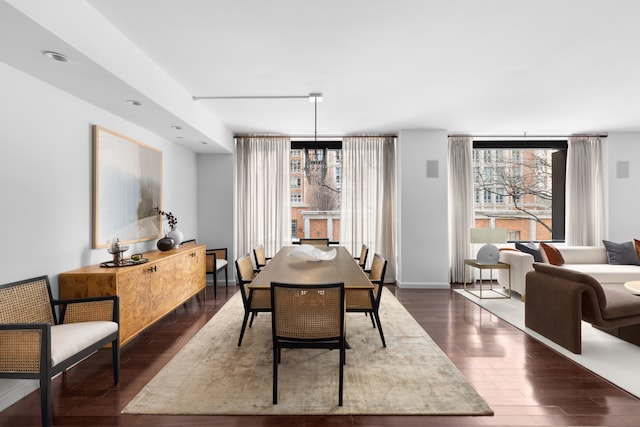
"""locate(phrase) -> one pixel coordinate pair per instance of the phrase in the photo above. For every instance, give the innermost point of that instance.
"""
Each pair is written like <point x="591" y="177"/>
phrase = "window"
<point x="316" y="177"/>
<point x="520" y="186"/>
<point x="294" y="229"/>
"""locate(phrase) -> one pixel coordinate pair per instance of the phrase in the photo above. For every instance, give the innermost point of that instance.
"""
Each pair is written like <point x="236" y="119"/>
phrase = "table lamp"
<point x="488" y="254"/>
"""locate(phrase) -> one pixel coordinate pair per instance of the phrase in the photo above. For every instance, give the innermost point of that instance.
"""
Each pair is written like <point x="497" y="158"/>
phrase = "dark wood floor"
<point x="525" y="383"/>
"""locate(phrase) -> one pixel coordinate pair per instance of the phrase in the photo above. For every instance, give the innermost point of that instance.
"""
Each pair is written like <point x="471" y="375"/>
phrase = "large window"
<point x="520" y="186"/>
<point x="316" y="174"/>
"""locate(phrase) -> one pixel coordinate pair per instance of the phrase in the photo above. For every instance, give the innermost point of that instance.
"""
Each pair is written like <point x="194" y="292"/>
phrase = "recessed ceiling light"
<point x="176" y="127"/>
<point x="56" y="56"/>
<point x="179" y="137"/>
<point x="203" y="142"/>
<point x="134" y="102"/>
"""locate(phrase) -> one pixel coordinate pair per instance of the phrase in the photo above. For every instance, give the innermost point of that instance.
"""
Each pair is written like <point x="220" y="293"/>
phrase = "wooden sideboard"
<point x="147" y="291"/>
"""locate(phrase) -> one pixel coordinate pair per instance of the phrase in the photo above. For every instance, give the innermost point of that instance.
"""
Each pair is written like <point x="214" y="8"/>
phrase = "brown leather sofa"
<point x="558" y="299"/>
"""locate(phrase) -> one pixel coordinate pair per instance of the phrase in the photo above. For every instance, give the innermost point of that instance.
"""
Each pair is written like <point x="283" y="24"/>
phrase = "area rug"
<point x="211" y="375"/>
<point x="611" y="358"/>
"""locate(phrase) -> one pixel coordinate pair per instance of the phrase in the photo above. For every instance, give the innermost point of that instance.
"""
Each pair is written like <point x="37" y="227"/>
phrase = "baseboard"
<point x="422" y="285"/>
<point x="13" y="390"/>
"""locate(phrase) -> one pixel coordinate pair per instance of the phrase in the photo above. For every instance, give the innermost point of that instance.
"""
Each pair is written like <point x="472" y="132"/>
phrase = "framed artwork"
<point x="127" y="189"/>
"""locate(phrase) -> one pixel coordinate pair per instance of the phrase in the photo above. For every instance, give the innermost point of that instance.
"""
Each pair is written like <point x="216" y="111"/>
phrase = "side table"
<point x="633" y="286"/>
<point x="494" y="293"/>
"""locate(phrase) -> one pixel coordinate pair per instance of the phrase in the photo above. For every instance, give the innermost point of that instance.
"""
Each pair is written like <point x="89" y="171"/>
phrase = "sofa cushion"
<point x="553" y="255"/>
<point x="621" y="253"/>
<point x="620" y="304"/>
<point x="584" y="254"/>
<point x="530" y="248"/>
<point x="636" y="244"/>
<point x="607" y="273"/>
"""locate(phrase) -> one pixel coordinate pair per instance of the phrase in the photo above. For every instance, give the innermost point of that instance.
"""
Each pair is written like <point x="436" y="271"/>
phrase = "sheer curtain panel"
<point x="585" y="192"/>
<point x="460" y="205"/>
<point x="368" y="208"/>
<point x="262" y="194"/>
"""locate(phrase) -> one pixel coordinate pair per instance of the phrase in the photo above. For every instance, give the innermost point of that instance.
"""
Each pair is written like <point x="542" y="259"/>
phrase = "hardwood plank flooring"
<point x="525" y="383"/>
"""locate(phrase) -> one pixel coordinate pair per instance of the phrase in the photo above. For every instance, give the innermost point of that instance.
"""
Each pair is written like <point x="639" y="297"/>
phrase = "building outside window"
<point x="519" y="186"/>
<point x="316" y="171"/>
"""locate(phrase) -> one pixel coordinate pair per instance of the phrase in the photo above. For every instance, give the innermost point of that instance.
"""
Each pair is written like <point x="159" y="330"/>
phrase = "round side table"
<point x="633" y="286"/>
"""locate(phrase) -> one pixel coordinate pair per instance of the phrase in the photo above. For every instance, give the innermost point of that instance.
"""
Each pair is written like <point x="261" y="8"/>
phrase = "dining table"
<point x="291" y="269"/>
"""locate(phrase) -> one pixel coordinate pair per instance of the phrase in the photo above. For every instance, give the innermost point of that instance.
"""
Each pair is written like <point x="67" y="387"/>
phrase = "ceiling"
<point x="492" y="67"/>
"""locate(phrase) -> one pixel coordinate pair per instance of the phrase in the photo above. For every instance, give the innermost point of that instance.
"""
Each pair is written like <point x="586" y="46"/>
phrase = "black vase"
<point x="165" y="244"/>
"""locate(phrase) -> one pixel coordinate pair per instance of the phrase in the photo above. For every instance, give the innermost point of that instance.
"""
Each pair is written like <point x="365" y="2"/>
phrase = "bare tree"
<point x="518" y="181"/>
<point x="323" y="193"/>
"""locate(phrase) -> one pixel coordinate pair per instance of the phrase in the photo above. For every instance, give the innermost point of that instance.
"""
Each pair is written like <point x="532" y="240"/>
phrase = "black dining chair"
<point x="362" y="259"/>
<point x="308" y="316"/>
<point x="368" y="300"/>
<point x="254" y="301"/>
<point x="217" y="261"/>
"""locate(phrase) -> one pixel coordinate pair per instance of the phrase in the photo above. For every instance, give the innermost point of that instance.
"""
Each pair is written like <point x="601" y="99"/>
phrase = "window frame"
<point x="558" y="185"/>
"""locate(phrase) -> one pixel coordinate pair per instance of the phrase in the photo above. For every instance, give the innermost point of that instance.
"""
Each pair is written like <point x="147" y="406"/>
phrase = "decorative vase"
<point x="166" y="243"/>
<point x="176" y="235"/>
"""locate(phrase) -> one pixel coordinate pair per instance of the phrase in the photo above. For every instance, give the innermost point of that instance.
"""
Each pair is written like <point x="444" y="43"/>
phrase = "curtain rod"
<point x="525" y="135"/>
<point x="249" y="135"/>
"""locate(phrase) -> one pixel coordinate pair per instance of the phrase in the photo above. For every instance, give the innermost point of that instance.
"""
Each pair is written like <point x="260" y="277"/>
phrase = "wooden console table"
<point x="147" y="291"/>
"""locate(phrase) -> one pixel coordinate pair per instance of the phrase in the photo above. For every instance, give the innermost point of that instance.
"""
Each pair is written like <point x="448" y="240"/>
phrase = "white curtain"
<point x="460" y="205"/>
<point x="585" y="192"/>
<point x="368" y="207"/>
<point x="262" y="194"/>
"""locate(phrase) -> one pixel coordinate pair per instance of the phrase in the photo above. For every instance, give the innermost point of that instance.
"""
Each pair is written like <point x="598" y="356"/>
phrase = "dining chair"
<point x="315" y="242"/>
<point x="307" y="316"/>
<point x="368" y="300"/>
<point x="362" y="259"/>
<point x="259" y="257"/>
<point x="217" y="261"/>
<point x="254" y="301"/>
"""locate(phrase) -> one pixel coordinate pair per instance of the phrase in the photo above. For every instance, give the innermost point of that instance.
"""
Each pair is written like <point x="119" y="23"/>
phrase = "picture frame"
<point x="127" y="189"/>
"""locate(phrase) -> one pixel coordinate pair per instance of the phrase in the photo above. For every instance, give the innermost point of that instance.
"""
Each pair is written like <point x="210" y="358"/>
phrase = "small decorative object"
<point x="166" y="243"/>
<point x="174" y="233"/>
<point x="116" y="250"/>
<point x="136" y="257"/>
<point x="312" y="253"/>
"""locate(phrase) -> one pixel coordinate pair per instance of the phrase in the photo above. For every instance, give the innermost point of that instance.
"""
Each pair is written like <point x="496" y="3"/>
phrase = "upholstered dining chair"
<point x="368" y="301"/>
<point x="259" y="257"/>
<point x="254" y="301"/>
<point x="217" y="261"/>
<point x="362" y="259"/>
<point x="307" y="316"/>
<point x="315" y="242"/>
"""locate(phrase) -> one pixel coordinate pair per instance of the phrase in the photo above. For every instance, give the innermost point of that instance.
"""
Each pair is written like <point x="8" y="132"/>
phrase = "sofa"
<point x="591" y="260"/>
<point x="558" y="299"/>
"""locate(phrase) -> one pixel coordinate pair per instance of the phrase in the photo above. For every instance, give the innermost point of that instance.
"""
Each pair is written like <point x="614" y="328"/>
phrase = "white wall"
<point x="623" y="200"/>
<point x="423" y="243"/>
<point x="216" y="204"/>
<point x="46" y="185"/>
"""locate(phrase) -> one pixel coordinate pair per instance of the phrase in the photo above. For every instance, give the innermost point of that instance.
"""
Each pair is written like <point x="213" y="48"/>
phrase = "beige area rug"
<point x="211" y="375"/>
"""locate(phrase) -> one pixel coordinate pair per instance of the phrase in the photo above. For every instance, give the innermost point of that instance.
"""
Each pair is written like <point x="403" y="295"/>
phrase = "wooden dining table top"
<point x="288" y="269"/>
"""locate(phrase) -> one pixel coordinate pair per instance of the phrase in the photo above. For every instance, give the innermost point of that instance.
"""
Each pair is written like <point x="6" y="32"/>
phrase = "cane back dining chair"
<point x="254" y="301"/>
<point x="315" y="242"/>
<point x="217" y="261"/>
<point x="308" y="316"/>
<point x="368" y="300"/>
<point x="362" y="259"/>
<point x="259" y="257"/>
